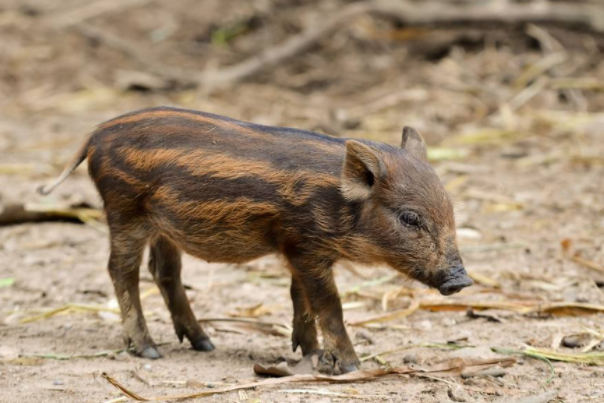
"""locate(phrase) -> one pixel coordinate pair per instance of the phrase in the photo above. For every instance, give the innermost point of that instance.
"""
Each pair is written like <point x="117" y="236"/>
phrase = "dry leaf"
<point x="483" y="280"/>
<point x="523" y="307"/>
<point x="567" y="245"/>
<point x="254" y="311"/>
<point x="587" y="263"/>
<point x="402" y="313"/>
<point x="325" y="392"/>
<point x="596" y="358"/>
<point x="69" y="308"/>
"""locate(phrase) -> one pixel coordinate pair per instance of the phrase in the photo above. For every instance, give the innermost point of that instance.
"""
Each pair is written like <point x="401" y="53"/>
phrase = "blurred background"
<point x="508" y="95"/>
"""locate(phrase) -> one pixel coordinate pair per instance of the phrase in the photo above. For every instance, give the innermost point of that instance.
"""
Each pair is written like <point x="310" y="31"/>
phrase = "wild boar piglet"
<point x="230" y="191"/>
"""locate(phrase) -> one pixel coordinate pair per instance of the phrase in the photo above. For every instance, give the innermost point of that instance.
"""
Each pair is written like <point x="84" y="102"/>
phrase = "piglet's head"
<point x="405" y="217"/>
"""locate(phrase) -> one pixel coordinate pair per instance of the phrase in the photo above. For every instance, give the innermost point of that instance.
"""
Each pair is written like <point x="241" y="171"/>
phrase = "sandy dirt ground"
<point x="526" y="174"/>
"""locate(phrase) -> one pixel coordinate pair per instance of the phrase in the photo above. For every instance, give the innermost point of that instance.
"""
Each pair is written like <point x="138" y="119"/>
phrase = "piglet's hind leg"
<point x="165" y="266"/>
<point x="124" y="266"/>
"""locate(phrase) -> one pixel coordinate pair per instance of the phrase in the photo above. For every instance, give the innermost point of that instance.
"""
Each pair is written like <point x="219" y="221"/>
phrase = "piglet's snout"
<point x="455" y="279"/>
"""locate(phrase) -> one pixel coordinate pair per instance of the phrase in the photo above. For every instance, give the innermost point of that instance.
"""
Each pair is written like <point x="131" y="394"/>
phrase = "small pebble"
<point x="57" y="382"/>
<point x="494" y="372"/>
<point x="425" y="324"/>
<point x="576" y="340"/>
<point x="364" y="335"/>
<point x="448" y="322"/>
<point x="410" y="359"/>
<point x="456" y="395"/>
<point x="147" y="367"/>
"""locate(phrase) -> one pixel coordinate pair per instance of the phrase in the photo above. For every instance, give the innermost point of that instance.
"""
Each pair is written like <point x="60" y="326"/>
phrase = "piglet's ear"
<point x="362" y="167"/>
<point x="414" y="143"/>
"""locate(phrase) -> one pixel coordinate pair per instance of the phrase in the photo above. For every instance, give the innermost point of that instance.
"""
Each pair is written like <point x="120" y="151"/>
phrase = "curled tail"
<point x="76" y="160"/>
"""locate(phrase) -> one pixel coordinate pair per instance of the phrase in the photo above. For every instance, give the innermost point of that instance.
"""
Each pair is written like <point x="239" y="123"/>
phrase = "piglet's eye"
<point x="410" y="219"/>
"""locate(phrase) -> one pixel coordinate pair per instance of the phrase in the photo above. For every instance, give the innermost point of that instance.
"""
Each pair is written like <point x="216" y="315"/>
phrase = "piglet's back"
<point x="191" y="155"/>
<point x="173" y="130"/>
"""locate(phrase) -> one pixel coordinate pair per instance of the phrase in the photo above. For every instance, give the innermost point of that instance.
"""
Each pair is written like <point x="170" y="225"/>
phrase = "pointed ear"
<point x="414" y="143"/>
<point x="362" y="166"/>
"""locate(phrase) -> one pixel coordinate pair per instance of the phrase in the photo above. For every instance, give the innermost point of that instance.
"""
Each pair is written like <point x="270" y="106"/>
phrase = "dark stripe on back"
<point x="274" y="130"/>
<point x="197" y="187"/>
<point x="178" y="132"/>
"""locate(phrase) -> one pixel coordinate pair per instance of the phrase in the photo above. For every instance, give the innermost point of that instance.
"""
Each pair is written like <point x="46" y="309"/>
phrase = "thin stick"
<point x="244" y="320"/>
<point x="117" y="400"/>
<point x="125" y="391"/>
<point x="330" y="393"/>
<point x="587" y="263"/>
<point x="350" y="377"/>
<point x="527" y="94"/>
<point x="67" y="18"/>
<point x="356" y="376"/>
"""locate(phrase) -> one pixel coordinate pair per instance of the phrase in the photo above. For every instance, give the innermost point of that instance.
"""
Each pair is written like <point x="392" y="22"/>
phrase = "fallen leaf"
<point x="25" y="361"/>
<point x="587" y="263"/>
<point x="402" y="313"/>
<point x="69" y="308"/>
<point x="593" y="358"/>
<point x="523" y="307"/>
<point x="567" y="251"/>
<point x="255" y="311"/>
<point x="279" y="370"/>
<point x="367" y="284"/>
<point x="483" y="280"/>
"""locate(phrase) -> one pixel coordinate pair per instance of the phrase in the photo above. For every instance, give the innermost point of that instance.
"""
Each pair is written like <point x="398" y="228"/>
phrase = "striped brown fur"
<point x="231" y="191"/>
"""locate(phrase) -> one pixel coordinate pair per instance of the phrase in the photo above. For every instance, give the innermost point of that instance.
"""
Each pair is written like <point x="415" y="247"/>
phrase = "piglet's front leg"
<point x="315" y="275"/>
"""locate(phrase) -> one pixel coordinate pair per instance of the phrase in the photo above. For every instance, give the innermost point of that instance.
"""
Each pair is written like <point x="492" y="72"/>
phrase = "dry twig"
<point x="66" y="18"/>
<point x="455" y="366"/>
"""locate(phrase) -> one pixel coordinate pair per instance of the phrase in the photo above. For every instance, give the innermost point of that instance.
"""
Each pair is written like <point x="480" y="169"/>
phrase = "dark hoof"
<point x="333" y="363"/>
<point x="346" y="368"/>
<point x="203" y="345"/>
<point x="150" y="353"/>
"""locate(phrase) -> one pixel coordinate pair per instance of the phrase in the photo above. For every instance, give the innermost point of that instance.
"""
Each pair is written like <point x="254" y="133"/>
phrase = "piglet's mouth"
<point x="454" y="281"/>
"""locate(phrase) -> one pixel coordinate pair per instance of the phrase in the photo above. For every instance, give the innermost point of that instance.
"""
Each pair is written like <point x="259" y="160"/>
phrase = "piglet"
<point x="230" y="191"/>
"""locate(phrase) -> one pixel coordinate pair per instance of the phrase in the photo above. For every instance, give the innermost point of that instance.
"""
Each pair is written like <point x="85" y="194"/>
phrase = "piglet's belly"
<point x="216" y="240"/>
<point x="226" y="247"/>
